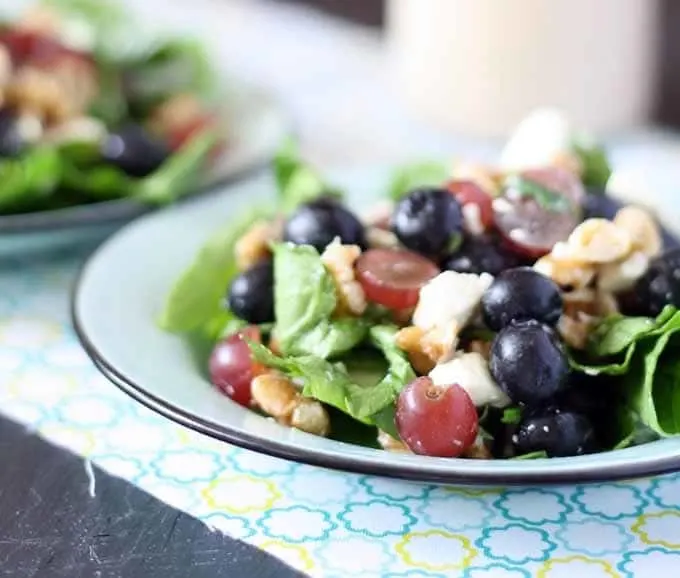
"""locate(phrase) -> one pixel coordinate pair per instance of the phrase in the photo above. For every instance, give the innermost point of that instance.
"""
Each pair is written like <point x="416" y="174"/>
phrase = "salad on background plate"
<point x="513" y="311"/>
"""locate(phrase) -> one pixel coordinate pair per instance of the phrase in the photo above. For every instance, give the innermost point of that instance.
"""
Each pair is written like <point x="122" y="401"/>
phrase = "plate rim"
<point x="337" y="461"/>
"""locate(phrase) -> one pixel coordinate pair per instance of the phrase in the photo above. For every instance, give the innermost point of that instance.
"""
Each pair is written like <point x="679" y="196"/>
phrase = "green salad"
<point x="93" y="109"/>
<point x="490" y="312"/>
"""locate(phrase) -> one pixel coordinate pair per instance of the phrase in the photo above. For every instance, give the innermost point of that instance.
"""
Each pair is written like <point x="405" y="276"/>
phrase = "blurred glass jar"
<point x="479" y="66"/>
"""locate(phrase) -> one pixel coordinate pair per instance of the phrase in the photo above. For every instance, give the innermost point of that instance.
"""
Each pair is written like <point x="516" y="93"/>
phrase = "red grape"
<point x="531" y="226"/>
<point x="436" y="420"/>
<point x="231" y="366"/>
<point x="26" y="46"/>
<point x="469" y="193"/>
<point x="393" y="278"/>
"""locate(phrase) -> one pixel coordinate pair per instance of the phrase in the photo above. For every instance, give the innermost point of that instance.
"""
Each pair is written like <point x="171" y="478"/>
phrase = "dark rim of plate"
<point x="341" y="462"/>
<point x="108" y="212"/>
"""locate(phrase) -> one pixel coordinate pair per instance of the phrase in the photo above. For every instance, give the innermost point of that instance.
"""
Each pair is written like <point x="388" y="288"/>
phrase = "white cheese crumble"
<point x="537" y="140"/>
<point x="450" y="297"/>
<point x="471" y="372"/>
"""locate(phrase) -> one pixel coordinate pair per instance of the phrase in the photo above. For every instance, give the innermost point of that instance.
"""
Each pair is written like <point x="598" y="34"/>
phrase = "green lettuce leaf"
<point x="512" y="415"/>
<point x="195" y="300"/>
<point x="616" y="333"/>
<point x="29" y="179"/>
<point x="180" y="174"/>
<point x="304" y="303"/>
<point x="296" y="181"/>
<point x="420" y="174"/>
<point x="332" y="384"/>
<point x="596" y="167"/>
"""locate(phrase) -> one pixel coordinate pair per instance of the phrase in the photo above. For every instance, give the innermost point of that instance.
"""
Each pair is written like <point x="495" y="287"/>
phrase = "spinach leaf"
<point x="420" y="174"/>
<point x="634" y="431"/>
<point x="29" y="179"/>
<point x="596" y="168"/>
<point x="304" y="303"/>
<point x="180" y="174"/>
<point x="296" y="181"/>
<point x="616" y="333"/>
<point x="653" y="384"/>
<point x="110" y="104"/>
<point x="332" y="384"/>
<point x="195" y="299"/>
<point x="100" y="182"/>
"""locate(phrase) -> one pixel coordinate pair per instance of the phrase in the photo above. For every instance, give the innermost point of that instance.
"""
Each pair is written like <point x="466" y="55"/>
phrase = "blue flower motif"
<point x="533" y="506"/>
<point x="296" y="524"/>
<point x="252" y="463"/>
<point x="492" y="570"/>
<point x="395" y="490"/>
<point x="377" y="518"/>
<point x="658" y="486"/>
<point x="338" y="488"/>
<point x="593" y="542"/>
<point x="598" y="501"/>
<point x="456" y="512"/>
<point x="657" y="562"/>
<point x="522" y="544"/>
<point x="234" y="526"/>
<point x="120" y="465"/>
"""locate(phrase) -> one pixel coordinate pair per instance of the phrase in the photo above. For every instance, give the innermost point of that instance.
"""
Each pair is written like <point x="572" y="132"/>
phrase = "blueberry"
<point x="596" y="204"/>
<point x="558" y="433"/>
<point x="660" y="286"/>
<point x="520" y="294"/>
<point x="319" y="222"/>
<point x="529" y="363"/>
<point x="134" y="151"/>
<point x="12" y="143"/>
<point x="428" y="221"/>
<point x="480" y="254"/>
<point x="251" y="294"/>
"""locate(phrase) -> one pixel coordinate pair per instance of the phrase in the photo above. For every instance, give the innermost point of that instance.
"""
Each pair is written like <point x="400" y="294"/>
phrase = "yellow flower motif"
<point x="80" y="441"/>
<point x="240" y="494"/>
<point x="454" y="541"/>
<point x="294" y="554"/>
<point x="606" y="570"/>
<point x="639" y="528"/>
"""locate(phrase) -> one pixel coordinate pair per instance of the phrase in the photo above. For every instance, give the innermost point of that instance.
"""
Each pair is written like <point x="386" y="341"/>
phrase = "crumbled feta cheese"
<point x="471" y="372"/>
<point x="450" y="297"/>
<point x="537" y="140"/>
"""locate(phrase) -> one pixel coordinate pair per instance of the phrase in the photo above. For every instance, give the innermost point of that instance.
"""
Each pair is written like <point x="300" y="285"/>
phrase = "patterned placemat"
<point x="325" y="523"/>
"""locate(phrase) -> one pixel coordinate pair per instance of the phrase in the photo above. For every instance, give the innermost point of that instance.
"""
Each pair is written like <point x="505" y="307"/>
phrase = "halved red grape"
<point x="560" y="181"/>
<point x="538" y="209"/>
<point x="436" y="420"/>
<point x="393" y="278"/>
<point x="231" y="366"/>
<point x="469" y="193"/>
